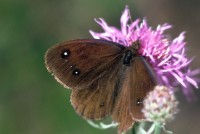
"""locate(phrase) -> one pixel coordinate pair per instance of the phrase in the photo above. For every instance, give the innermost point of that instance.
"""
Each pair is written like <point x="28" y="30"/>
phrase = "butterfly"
<point x="106" y="78"/>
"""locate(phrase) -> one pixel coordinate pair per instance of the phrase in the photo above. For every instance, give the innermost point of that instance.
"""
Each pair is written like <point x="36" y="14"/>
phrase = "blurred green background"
<point x="31" y="101"/>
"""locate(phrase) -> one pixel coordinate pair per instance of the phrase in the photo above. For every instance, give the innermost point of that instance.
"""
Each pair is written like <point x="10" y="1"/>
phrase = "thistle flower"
<point x="167" y="57"/>
<point x="160" y="105"/>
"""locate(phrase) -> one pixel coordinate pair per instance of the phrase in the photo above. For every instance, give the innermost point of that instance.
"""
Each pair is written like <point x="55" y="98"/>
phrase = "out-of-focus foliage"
<point x="31" y="101"/>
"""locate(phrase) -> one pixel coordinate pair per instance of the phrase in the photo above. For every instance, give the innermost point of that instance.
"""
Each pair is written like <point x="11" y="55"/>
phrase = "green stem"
<point x="157" y="128"/>
<point x="135" y="128"/>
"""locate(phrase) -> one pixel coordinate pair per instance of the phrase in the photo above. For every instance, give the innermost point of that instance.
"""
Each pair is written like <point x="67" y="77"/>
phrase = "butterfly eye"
<point x="76" y="72"/>
<point x="139" y="102"/>
<point x="65" y="53"/>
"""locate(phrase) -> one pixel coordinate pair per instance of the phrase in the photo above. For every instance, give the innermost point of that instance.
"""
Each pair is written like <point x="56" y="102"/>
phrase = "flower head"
<point x="167" y="57"/>
<point x="160" y="105"/>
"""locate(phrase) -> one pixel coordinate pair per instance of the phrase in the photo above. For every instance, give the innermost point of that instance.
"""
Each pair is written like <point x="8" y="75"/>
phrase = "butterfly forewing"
<point x="138" y="82"/>
<point x="142" y="82"/>
<point x="77" y="63"/>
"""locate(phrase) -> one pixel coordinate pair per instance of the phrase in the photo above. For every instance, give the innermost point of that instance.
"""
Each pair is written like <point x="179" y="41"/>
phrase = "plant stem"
<point x="135" y="128"/>
<point x="157" y="128"/>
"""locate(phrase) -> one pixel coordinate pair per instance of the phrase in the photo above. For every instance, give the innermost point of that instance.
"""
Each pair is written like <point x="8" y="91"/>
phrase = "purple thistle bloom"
<point x="167" y="57"/>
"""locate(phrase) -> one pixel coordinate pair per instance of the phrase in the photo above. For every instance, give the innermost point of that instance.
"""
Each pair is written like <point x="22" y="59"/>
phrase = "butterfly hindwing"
<point x="97" y="100"/>
<point x="121" y="111"/>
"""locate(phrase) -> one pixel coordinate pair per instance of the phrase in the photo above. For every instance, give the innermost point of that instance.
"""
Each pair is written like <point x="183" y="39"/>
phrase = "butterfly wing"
<point x="91" y="68"/>
<point x="121" y="111"/>
<point x="78" y="63"/>
<point x="139" y="80"/>
<point x="97" y="100"/>
<point x="143" y="80"/>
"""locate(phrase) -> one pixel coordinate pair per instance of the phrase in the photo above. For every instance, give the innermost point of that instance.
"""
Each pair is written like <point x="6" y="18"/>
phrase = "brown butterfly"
<point x="106" y="78"/>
